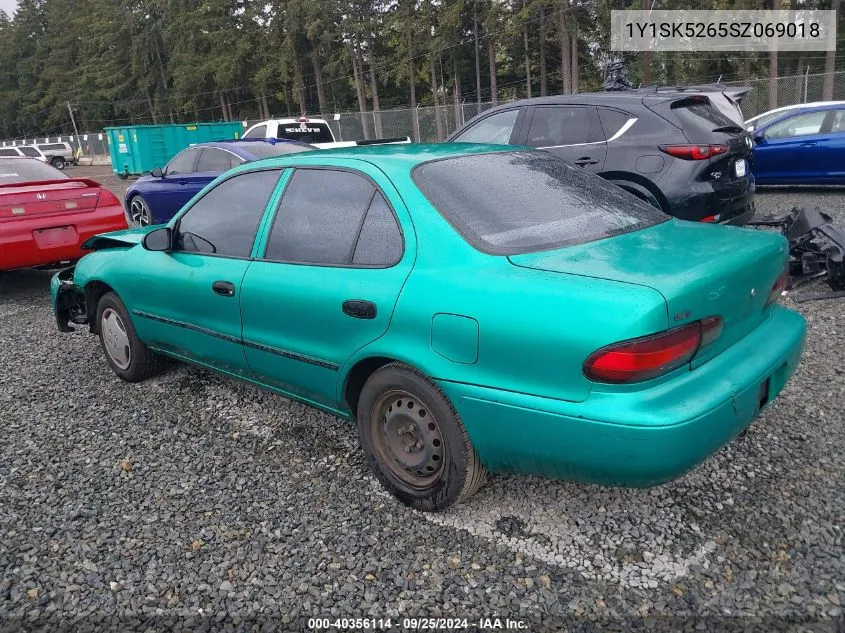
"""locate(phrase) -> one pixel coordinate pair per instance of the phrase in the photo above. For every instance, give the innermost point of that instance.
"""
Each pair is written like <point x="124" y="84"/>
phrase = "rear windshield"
<point x="25" y="170"/>
<point x="306" y="132"/>
<point x="505" y="203"/>
<point x="700" y="119"/>
<point x="265" y="150"/>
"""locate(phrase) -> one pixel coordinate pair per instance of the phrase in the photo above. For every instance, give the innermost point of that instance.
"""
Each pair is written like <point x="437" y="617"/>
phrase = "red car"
<point x="45" y="215"/>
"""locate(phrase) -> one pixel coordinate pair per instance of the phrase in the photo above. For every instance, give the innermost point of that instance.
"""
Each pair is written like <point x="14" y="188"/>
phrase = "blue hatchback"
<point x="156" y="198"/>
<point x="802" y="147"/>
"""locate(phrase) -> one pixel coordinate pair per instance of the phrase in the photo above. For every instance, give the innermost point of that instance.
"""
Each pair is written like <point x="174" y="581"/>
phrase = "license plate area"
<point x="56" y="236"/>
<point x="740" y="168"/>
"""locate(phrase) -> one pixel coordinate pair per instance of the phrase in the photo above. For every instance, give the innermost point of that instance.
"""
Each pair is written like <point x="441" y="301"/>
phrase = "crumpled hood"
<point x="118" y="239"/>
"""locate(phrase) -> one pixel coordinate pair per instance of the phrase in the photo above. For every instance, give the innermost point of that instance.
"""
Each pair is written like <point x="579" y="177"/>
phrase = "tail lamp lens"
<point x="648" y="357"/>
<point x="693" y="152"/>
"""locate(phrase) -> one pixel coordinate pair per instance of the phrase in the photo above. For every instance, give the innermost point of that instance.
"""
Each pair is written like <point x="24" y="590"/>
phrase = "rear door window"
<point x="554" y="126"/>
<point x="214" y="160"/>
<point x="612" y="121"/>
<point x="838" y="124"/>
<point x="319" y="217"/>
<point x="30" y="151"/>
<point x="496" y="128"/>
<point x="9" y="152"/>
<point x="505" y="203"/>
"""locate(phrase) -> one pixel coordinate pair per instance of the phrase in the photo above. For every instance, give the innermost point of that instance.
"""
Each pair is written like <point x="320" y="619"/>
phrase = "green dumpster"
<point x="138" y="149"/>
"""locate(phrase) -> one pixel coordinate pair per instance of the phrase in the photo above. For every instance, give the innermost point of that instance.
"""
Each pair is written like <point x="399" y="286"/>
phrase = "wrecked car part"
<point x="819" y="296"/>
<point x="70" y="303"/>
<point x="816" y="246"/>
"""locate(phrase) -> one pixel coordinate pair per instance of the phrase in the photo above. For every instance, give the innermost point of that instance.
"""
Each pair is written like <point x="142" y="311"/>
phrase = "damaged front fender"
<point x="68" y="301"/>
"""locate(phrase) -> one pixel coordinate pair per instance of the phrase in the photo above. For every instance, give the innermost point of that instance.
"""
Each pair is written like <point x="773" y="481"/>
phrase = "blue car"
<point x="156" y="198"/>
<point x="802" y="147"/>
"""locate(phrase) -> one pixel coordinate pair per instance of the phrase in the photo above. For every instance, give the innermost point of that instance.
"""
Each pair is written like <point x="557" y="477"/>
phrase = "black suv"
<point x="673" y="149"/>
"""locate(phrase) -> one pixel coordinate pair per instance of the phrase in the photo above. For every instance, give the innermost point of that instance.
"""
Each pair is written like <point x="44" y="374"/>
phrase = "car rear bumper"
<point x="638" y="437"/>
<point x="28" y="241"/>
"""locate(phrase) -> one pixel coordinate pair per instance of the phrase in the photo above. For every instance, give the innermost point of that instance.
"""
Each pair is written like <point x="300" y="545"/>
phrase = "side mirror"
<point x="157" y="173"/>
<point x="759" y="138"/>
<point x="159" y="239"/>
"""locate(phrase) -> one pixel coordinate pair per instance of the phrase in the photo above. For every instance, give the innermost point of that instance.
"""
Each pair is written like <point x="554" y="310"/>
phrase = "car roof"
<point x="241" y="146"/>
<point x="394" y="155"/>
<point x="593" y="98"/>
<point x="798" y="106"/>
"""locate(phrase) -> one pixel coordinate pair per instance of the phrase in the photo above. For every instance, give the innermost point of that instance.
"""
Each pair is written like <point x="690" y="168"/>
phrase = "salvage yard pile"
<point x="191" y="495"/>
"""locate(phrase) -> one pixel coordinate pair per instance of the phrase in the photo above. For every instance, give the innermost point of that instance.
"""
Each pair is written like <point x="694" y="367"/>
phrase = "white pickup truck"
<point x="315" y="132"/>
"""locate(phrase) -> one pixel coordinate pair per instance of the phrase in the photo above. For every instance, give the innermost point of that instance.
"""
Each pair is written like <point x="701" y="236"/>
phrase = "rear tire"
<point x="58" y="162"/>
<point x="128" y="357"/>
<point x="139" y="211"/>
<point x="414" y="440"/>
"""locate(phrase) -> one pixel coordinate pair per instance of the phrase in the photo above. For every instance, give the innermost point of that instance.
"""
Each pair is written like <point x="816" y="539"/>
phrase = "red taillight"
<point x="708" y="218"/>
<point x="106" y="198"/>
<point x="779" y="286"/>
<point x="651" y="356"/>
<point x="693" y="152"/>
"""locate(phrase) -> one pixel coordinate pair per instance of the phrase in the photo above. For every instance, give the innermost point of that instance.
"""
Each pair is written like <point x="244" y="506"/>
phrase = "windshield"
<point x="306" y="132"/>
<point x="27" y="170"/>
<point x="505" y="203"/>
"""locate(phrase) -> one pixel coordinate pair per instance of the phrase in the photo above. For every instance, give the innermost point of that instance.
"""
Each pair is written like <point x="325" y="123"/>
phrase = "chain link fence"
<point x="787" y="90"/>
<point x="433" y="124"/>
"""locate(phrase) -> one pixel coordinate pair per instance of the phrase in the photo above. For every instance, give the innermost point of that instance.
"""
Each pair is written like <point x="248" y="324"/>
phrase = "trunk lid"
<point x="701" y="270"/>
<point x="47" y="197"/>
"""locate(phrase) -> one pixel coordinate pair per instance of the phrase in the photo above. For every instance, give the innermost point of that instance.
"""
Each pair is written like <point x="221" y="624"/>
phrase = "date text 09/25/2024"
<point x="425" y="624"/>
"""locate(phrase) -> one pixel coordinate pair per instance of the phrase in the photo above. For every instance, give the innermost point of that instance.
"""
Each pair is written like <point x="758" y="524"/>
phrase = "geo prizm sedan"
<point x="472" y="307"/>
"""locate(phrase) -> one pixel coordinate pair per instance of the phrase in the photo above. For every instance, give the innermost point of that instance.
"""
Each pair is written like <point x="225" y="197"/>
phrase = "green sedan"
<point x="472" y="308"/>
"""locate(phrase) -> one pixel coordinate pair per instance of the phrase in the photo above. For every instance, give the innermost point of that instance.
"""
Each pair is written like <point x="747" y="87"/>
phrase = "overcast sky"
<point x="8" y="6"/>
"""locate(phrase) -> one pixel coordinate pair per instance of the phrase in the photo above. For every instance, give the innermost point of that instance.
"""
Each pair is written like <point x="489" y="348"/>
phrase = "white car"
<point x="58" y="154"/>
<point x="29" y="151"/>
<point x="312" y="131"/>
<point x="761" y="119"/>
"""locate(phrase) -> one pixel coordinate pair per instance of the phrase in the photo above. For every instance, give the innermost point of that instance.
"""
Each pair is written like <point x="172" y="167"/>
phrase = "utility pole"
<point x="72" y="120"/>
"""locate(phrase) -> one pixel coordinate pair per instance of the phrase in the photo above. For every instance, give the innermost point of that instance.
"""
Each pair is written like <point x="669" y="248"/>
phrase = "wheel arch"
<point x="94" y="291"/>
<point x="353" y="379"/>
<point x="641" y="187"/>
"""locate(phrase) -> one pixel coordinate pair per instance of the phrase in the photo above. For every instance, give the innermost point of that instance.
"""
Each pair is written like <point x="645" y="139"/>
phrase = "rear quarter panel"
<point x="535" y="328"/>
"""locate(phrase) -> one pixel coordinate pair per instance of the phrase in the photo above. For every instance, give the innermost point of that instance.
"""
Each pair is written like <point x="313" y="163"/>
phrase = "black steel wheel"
<point x="414" y="440"/>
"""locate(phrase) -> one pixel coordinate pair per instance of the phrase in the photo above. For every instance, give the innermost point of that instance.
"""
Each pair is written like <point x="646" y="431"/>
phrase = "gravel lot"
<point x="193" y="500"/>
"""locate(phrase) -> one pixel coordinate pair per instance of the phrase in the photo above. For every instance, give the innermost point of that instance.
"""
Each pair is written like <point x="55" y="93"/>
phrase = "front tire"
<point x="414" y="440"/>
<point x="128" y="357"/>
<point x="139" y="211"/>
<point x="58" y="162"/>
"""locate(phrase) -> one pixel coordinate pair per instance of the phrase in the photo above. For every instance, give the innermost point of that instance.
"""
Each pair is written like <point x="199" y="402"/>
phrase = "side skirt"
<point x="339" y="413"/>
